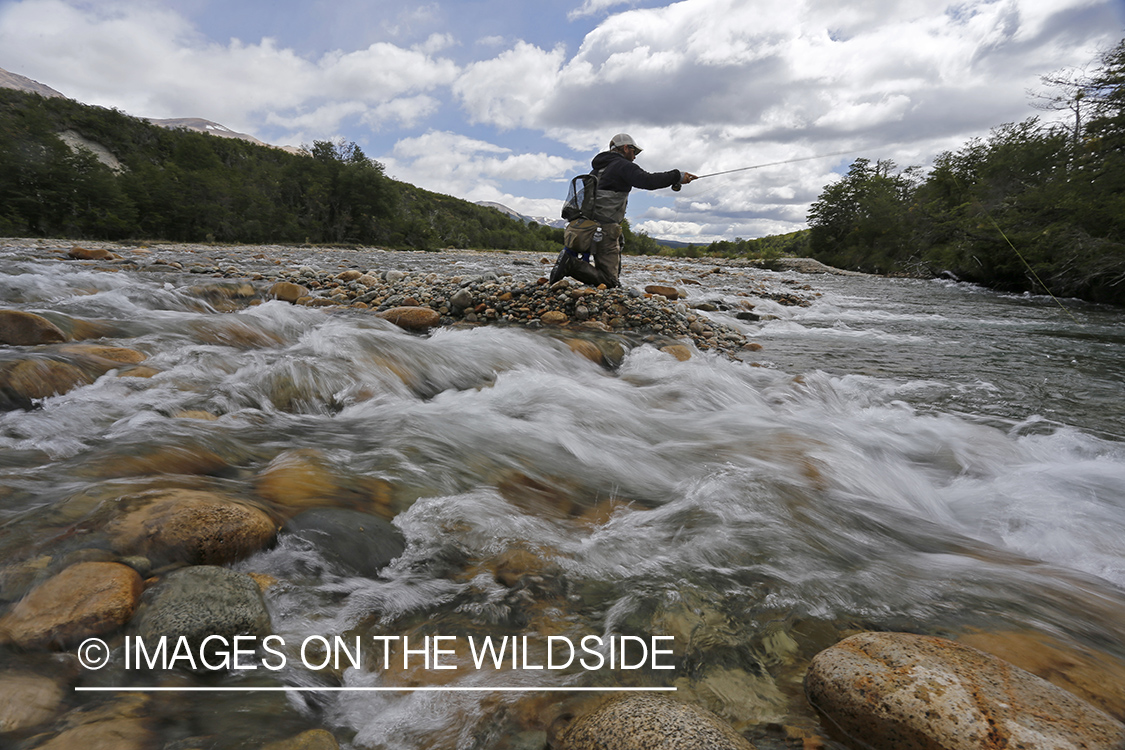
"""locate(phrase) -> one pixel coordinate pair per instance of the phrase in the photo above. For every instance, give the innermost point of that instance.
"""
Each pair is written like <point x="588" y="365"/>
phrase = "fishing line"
<point x="774" y="164"/>
<point x="1019" y="255"/>
<point x="985" y="209"/>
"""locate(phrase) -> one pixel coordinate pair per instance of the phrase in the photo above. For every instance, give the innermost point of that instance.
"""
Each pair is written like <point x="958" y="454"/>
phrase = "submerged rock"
<point x="18" y="328"/>
<point x="84" y="600"/>
<point x="899" y="691"/>
<point x="204" y="600"/>
<point x="645" y="721"/>
<point x="27" y="700"/>
<point x="41" y="378"/>
<point x="191" y="526"/>
<point x="355" y="541"/>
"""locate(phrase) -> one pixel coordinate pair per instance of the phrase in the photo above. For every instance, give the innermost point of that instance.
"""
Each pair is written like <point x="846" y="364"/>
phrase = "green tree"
<point x="861" y="221"/>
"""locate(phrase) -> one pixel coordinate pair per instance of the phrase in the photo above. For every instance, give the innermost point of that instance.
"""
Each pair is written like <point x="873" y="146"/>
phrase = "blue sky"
<point x="503" y="101"/>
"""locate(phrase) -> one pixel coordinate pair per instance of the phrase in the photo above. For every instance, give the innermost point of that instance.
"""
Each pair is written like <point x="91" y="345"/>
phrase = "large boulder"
<point x="190" y="526"/>
<point x="84" y="600"/>
<point x="645" y="721"/>
<point x="351" y="540"/>
<point x="18" y="328"/>
<point x="899" y="691"/>
<point x="41" y="378"/>
<point x="200" y="601"/>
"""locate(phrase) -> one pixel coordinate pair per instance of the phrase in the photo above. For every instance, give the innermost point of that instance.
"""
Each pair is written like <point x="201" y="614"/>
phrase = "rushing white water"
<point x="915" y="455"/>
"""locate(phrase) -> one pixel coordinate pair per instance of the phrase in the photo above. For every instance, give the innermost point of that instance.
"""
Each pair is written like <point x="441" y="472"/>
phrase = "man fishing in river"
<point x="600" y="233"/>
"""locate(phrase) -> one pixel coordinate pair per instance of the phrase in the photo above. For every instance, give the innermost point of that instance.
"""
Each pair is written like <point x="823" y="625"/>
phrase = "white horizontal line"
<point x="504" y="689"/>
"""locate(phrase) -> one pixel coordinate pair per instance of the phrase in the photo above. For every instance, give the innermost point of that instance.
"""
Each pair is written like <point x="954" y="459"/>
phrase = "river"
<point x="901" y="454"/>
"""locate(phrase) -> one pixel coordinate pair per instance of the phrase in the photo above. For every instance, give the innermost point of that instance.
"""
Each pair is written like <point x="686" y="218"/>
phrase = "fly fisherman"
<point x="601" y="232"/>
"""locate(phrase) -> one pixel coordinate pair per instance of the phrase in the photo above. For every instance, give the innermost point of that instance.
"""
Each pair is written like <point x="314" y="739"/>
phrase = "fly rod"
<point x="770" y="164"/>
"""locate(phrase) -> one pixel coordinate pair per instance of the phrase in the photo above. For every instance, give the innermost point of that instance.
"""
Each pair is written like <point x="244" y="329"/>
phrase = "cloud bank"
<point x="704" y="85"/>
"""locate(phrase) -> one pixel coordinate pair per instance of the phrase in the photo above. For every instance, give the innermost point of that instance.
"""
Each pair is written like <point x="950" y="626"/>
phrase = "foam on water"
<point x="733" y="499"/>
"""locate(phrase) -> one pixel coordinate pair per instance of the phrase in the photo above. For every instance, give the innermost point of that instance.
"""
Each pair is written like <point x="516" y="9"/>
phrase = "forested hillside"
<point x="1033" y="207"/>
<point x="178" y="185"/>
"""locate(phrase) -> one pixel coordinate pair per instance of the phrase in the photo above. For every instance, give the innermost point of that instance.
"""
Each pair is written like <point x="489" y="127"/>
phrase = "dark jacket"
<point x="616" y="177"/>
<point x="620" y="174"/>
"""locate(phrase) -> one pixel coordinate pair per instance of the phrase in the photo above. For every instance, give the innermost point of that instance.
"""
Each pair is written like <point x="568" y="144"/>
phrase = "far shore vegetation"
<point x="1032" y="207"/>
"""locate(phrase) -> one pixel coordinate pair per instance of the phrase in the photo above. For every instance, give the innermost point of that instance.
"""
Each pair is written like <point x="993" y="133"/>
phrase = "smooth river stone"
<point x="645" y="721"/>
<point x="87" y="599"/>
<point x="899" y="691"/>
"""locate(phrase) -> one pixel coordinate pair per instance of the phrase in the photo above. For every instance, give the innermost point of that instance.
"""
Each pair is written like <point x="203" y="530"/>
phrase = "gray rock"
<point x="355" y="541"/>
<point x="645" y="721"/>
<point x="909" y="692"/>
<point x="461" y="299"/>
<point x="200" y="601"/>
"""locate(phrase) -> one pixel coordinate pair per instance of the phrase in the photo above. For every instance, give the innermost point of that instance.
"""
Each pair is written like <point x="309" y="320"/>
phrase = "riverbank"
<point x="660" y="302"/>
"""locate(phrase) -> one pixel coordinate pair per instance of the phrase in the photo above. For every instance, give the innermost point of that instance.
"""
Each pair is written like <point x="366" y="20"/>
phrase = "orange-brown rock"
<point x="195" y="414"/>
<point x="18" y="328"/>
<point x="41" y="378"/>
<point x="297" y="479"/>
<point x="553" y="318"/>
<point x="587" y="349"/>
<point x="900" y="691"/>
<point x="27" y="700"/>
<point x="90" y="253"/>
<point x="679" y="351"/>
<point x="287" y="291"/>
<point x="1096" y="677"/>
<point x="84" y="600"/>
<point x="117" y="354"/>
<point x="190" y="526"/>
<point x="412" y="318"/>
<point x="664" y="291"/>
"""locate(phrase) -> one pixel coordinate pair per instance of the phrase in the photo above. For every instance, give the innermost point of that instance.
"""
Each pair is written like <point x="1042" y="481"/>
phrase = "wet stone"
<point x="899" y="691"/>
<point x="18" y="328"/>
<point x="643" y="722"/>
<point x="84" y="600"/>
<point x="190" y="526"/>
<point x="353" y="541"/>
<point x="200" y="601"/>
<point x="27" y="701"/>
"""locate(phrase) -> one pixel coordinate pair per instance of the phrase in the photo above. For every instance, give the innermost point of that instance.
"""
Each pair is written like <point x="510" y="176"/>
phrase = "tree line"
<point x="1034" y="206"/>
<point x="179" y="185"/>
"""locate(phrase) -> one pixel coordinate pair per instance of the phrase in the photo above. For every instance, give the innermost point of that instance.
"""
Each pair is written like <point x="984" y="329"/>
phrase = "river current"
<point x="901" y="454"/>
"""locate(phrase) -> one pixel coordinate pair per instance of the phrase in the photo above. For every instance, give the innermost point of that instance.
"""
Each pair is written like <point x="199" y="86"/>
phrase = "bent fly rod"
<point x="769" y="164"/>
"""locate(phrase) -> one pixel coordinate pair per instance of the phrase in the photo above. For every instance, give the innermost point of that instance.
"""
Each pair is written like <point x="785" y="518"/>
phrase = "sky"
<point x="505" y="101"/>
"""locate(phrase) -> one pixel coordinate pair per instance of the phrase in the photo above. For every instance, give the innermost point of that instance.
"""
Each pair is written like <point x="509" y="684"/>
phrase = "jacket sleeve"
<point x="639" y="178"/>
